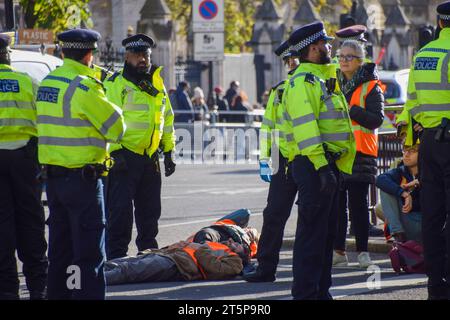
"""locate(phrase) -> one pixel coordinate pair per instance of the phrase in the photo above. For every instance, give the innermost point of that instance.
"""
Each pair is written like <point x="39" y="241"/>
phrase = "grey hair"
<point x="356" y="46"/>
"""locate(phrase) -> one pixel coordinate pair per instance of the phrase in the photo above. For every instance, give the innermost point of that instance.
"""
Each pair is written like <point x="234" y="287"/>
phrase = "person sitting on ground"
<point x="182" y="261"/>
<point x="399" y="194"/>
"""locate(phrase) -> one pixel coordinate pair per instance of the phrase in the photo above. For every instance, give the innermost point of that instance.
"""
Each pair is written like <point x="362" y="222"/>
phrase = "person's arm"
<point x="104" y="115"/>
<point x="389" y="182"/>
<point x="168" y="136"/>
<point x="218" y="267"/>
<point x="267" y="125"/>
<point x="372" y="116"/>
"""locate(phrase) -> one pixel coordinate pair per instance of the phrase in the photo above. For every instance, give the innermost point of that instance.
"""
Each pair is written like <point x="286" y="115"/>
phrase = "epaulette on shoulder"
<point x="114" y="76"/>
<point x="275" y="87"/>
<point x="309" y="77"/>
<point x="96" y="81"/>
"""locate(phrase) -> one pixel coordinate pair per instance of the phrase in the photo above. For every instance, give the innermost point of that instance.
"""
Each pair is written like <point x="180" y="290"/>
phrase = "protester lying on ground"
<point x="233" y="225"/>
<point x="220" y="251"/>
<point x="399" y="193"/>
<point x="182" y="261"/>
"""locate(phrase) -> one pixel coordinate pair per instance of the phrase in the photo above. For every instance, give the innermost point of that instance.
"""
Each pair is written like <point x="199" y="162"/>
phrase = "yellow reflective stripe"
<point x="363" y="94"/>
<point x="72" y="142"/>
<point x="309" y="142"/>
<point x="111" y="121"/>
<point x="268" y="123"/>
<point x="16" y="104"/>
<point x="138" y="125"/>
<point x="303" y="119"/>
<point x="168" y="129"/>
<point x="327" y="137"/>
<point x="41" y="119"/>
<point x="332" y="115"/>
<point x="429" y="108"/>
<point x="15" y="122"/>
<point x="169" y="112"/>
<point x="135" y="107"/>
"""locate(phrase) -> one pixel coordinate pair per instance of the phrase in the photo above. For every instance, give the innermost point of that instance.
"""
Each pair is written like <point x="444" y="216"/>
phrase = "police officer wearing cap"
<point x="75" y="123"/>
<point x="22" y="221"/>
<point x="323" y="145"/>
<point x="355" y="32"/>
<point x="282" y="189"/>
<point x="135" y="178"/>
<point x="428" y="103"/>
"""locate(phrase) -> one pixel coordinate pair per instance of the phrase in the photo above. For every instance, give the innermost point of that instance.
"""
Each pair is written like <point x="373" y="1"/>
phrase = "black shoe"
<point x="9" y="296"/>
<point x="375" y="232"/>
<point x="256" y="276"/>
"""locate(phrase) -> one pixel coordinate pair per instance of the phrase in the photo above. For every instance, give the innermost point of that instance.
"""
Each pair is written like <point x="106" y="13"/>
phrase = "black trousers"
<point x="353" y="195"/>
<point x="315" y="234"/>
<point x="434" y="171"/>
<point x="134" y="179"/>
<point x="22" y="223"/>
<point x="282" y="192"/>
<point x="76" y="228"/>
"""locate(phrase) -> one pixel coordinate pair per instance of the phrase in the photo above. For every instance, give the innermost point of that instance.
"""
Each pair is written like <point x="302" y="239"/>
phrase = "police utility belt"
<point x="87" y="172"/>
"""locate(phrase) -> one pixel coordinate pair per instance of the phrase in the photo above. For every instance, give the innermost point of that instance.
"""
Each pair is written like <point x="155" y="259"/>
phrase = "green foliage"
<point x="56" y="15"/>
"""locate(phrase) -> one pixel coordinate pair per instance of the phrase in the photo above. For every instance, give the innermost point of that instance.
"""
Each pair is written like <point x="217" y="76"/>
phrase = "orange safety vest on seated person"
<point x="366" y="139"/>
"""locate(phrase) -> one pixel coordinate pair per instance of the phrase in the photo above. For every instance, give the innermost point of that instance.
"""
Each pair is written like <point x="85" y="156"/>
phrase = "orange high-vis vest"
<point x="366" y="139"/>
<point x="214" y="246"/>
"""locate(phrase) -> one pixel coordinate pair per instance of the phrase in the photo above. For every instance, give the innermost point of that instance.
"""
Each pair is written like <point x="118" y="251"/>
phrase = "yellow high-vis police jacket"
<point x="17" y="108"/>
<point x="428" y="95"/>
<point x="318" y="119"/>
<point x="148" y="115"/>
<point x="75" y="120"/>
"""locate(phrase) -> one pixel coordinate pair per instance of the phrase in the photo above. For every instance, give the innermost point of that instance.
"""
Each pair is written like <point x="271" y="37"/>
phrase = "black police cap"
<point x="5" y="41"/>
<point x="79" y="39"/>
<point x="282" y="49"/>
<point x="138" y="42"/>
<point x="444" y="10"/>
<point x="355" y="32"/>
<point x="310" y="33"/>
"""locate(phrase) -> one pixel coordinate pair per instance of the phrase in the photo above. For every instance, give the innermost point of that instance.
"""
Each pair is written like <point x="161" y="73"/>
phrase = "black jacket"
<point x="370" y="117"/>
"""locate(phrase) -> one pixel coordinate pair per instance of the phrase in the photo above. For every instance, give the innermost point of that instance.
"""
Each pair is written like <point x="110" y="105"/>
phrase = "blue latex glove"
<point x="265" y="171"/>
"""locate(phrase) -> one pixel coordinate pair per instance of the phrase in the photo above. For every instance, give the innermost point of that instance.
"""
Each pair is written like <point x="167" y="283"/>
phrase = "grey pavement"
<point x="197" y="195"/>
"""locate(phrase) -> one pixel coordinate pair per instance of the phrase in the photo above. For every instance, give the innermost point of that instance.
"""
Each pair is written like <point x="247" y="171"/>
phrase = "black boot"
<point x="257" y="276"/>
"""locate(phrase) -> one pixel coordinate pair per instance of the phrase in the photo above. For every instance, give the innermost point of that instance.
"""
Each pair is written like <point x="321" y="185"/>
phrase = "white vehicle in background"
<point x="35" y="64"/>
<point x="396" y="86"/>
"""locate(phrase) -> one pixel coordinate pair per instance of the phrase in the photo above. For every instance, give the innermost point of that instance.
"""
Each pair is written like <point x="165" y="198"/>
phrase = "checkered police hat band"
<point x="306" y="42"/>
<point x="285" y="53"/>
<point x="444" y="16"/>
<point x="139" y="43"/>
<point x="79" y="45"/>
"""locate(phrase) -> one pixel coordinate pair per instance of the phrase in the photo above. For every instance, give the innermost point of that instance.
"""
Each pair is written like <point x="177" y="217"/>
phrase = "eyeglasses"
<point x="410" y="150"/>
<point x="347" y="58"/>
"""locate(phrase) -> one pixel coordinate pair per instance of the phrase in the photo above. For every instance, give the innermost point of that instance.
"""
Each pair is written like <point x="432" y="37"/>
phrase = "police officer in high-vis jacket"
<point x="22" y="221"/>
<point x="135" y="179"/>
<point x="323" y="144"/>
<point x="75" y="122"/>
<point x="429" y="105"/>
<point x="282" y="189"/>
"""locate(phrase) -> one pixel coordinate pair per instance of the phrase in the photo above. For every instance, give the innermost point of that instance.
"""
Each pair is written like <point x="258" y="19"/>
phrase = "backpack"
<point x="407" y="256"/>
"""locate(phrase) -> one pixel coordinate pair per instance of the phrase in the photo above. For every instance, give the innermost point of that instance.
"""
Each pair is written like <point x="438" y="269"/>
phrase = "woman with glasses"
<point x="361" y="87"/>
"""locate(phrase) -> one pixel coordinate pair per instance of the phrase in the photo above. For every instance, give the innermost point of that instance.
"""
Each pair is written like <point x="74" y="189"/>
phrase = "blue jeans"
<point x="410" y="223"/>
